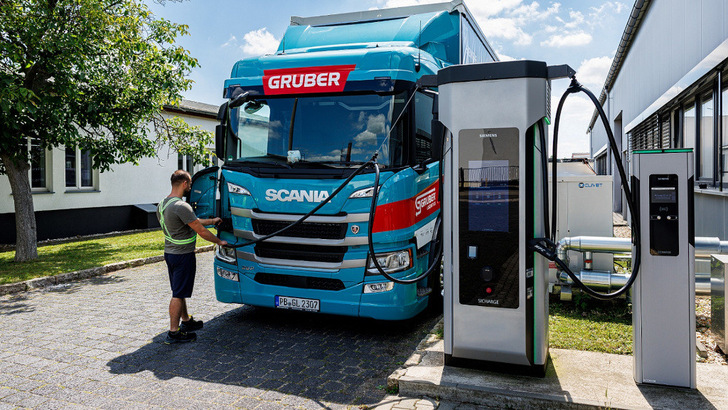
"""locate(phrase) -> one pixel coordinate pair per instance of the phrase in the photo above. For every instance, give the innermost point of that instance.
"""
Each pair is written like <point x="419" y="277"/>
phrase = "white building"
<point x="71" y="198"/>
<point x="667" y="89"/>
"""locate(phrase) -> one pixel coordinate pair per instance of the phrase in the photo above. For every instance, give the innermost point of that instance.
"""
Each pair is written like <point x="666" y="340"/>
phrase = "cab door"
<point x="203" y="196"/>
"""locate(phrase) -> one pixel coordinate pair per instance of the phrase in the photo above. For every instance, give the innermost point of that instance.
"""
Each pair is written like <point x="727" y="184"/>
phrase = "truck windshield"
<point x="341" y="130"/>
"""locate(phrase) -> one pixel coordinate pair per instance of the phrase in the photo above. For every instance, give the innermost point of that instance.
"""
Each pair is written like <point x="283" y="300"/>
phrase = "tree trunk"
<point x="26" y="246"/>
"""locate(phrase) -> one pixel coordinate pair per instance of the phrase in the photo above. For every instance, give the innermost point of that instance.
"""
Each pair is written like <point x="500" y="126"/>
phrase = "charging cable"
<point x="546" y="246"/>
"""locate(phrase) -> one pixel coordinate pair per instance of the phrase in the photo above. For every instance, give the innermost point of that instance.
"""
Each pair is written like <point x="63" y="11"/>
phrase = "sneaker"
<point x="179" y="337"/>
<point x="190" y="325"/>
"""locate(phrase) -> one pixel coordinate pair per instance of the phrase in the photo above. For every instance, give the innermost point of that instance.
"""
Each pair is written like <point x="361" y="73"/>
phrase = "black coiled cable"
<point x="547" y="246"/>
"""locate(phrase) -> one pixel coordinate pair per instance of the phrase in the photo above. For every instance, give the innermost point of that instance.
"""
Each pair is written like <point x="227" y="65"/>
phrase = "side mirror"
<point x="239" y="100"/>
<point x="222" y="112"/>
<point x="220" y="141"/>
<point x="438" y="133"/>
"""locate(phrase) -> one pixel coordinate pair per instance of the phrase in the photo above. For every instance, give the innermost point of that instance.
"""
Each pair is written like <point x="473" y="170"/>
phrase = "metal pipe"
<point x="607" y="280"/>
<point x="603" y="281"/>
<point x="600" y="244"/>
<point x="704" y="246"/>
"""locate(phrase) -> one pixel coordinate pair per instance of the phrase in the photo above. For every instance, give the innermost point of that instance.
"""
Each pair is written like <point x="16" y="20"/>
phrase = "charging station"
<point x="496" y="304"/>
<point x="663" y="296"/>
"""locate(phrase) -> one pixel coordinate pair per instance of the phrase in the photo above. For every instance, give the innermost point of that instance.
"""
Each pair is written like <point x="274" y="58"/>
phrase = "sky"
<point x="581" y="33"/>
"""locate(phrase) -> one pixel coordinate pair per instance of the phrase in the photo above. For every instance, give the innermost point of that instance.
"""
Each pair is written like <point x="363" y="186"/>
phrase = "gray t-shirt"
<point x="176" y="217"/>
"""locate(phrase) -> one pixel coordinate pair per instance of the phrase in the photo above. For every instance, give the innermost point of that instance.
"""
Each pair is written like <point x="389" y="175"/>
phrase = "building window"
<point x="38" y="166"/>
<point x="79" y="169"/>
<point x="650" y="134"/>
<point x="724" y="127"/>
<point x="707" y="131"/>
<point x="677" y="128"/>
<point x="185" y="162"/>
<point x="665" y="131"/>
<point x="600" y="163"/>
<point x="689" y="126"/>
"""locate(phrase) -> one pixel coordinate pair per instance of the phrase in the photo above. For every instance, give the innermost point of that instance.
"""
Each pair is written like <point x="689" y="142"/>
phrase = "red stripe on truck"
<point x="407" y="212"/>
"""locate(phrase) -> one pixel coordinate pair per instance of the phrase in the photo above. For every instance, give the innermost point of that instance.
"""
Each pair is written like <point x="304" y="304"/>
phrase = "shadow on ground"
<point x="327" y="359"/>
<point x="15" y="304"/>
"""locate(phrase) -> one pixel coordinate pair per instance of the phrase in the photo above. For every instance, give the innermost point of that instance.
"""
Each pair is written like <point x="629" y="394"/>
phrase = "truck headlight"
<point x="391" y="262"/>
<point x="363" y="193"/>
<point x="226" y="254"/>
<point x="226" y="274"/>
<point x="237" y="189"/>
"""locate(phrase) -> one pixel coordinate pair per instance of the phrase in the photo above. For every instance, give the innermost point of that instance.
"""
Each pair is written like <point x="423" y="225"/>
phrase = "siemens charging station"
<point x="663" y="297"/>
<point x="496" y="305"/>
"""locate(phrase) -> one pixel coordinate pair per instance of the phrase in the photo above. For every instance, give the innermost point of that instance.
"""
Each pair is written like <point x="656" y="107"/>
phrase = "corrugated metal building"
<point x="667" y="89"/>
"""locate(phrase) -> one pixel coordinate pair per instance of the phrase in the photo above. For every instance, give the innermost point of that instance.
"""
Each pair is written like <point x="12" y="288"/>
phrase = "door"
<point x="203" y="194"/>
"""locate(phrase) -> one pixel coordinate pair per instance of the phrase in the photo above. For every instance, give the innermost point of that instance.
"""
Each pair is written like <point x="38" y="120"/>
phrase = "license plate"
<point x="308" y="305"/>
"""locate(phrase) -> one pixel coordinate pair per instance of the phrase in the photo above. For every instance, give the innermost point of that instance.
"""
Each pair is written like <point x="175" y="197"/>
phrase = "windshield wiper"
<point x="311" y="164"/>
<point x="345" y="163"/>
<point x="268" y="159"/>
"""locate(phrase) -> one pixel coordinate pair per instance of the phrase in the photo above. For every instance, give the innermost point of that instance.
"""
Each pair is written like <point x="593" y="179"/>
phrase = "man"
<point x="181" y="227"/>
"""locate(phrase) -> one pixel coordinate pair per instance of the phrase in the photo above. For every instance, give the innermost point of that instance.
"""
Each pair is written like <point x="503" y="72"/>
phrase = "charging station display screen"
<point x="488" y="185"/>
<point x="488" y="195"/>
<point x="663" y="195"/>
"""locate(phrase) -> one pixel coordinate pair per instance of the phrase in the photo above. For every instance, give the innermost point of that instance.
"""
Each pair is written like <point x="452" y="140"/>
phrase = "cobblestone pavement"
<point x="97" y="343"/>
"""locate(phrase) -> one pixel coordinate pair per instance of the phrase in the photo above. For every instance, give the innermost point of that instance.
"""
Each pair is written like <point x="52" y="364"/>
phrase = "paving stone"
<point x="244" y="357"/>
<point x="25" y="399"/>
<point x="22" y="384"/>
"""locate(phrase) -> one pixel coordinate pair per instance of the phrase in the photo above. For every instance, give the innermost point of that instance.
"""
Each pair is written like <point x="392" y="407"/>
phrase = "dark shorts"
<point x="181" y="270"/>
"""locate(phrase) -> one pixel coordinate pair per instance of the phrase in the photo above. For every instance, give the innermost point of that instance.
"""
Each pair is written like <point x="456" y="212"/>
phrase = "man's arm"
<point x="211" y="221"/>
<point x="198" y="227"/>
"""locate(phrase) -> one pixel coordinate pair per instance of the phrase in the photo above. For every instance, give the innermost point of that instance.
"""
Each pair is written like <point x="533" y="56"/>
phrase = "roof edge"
<point x="639" y="9"/>
<point x="373" y="15"/>
<point x="193" y="108"/>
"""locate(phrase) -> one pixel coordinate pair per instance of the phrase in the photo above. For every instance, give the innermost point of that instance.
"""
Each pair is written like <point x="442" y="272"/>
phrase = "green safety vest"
<point x="167" y="235"/>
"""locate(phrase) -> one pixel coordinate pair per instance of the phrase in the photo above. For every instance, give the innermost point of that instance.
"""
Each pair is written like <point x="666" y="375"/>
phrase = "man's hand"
<point x="216" y="221"/>
<point x="223" y="243"/>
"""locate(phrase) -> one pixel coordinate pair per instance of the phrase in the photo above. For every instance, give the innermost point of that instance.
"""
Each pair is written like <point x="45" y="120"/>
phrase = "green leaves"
<point x="94" y="74"/>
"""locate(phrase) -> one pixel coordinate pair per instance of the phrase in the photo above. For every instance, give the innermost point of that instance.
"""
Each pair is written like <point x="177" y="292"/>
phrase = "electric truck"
<point x="302" y="121"/>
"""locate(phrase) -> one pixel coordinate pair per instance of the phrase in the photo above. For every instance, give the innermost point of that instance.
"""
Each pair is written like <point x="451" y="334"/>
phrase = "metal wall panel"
<point x="674" y="36"/>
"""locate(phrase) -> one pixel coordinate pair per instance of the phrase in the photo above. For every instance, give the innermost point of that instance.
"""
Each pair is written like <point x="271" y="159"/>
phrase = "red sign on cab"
<point x="306" y="80"/>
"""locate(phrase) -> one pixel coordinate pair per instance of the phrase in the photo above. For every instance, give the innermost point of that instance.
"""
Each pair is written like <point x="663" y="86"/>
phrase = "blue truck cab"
<point x="338" y="89"/>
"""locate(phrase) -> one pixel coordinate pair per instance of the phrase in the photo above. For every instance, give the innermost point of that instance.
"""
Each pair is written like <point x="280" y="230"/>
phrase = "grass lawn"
<point x="592" y="325"/>
<point x="73" y="256"/>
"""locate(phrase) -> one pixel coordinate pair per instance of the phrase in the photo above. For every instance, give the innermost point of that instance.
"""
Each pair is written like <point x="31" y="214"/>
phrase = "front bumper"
<point x="397" y="304"/>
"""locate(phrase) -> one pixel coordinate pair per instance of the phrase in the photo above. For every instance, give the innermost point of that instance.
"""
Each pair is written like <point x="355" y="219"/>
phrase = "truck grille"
<point x="303" y="282"/>
<point x="332" y="254"/>
<point x="303" y="230"/>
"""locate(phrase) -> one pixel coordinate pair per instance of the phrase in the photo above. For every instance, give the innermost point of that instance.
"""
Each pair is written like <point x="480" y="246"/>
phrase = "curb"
<point x="39" y="283"/>
<point x="416" y="357"/>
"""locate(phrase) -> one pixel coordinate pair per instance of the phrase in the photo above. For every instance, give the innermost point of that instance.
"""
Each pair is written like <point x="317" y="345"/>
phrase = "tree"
<point x="92" y="74"/>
